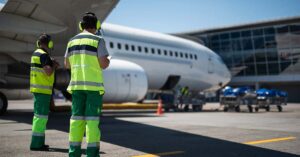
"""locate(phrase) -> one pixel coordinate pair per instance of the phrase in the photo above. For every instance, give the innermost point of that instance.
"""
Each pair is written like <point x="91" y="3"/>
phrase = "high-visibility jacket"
<point x="40" y="82"/>
<point x="184" y="91"/>
<point x="86" y="73"/>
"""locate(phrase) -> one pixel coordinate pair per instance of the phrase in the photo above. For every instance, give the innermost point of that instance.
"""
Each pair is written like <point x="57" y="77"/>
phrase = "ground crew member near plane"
<point x="185" y="91"/>
<point x="41" y="85"/>
<point x="86" y="56"/>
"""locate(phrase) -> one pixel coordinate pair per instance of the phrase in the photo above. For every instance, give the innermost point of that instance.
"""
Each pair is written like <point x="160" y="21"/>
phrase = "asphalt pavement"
<point x="141" y="133"/>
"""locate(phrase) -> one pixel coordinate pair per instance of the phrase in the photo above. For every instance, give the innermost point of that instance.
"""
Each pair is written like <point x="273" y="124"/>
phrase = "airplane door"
<point x="124" y="85"/>
<point x="211" y="65"/>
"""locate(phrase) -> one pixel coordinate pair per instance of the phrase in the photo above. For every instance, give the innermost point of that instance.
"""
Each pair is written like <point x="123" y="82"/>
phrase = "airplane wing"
<point x="22" y="21"/>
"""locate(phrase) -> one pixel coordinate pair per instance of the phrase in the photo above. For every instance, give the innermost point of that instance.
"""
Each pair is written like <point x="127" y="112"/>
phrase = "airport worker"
<point x="41" y="85"/>
<point x="86" y="56"/>
<point x="185" y="91"/>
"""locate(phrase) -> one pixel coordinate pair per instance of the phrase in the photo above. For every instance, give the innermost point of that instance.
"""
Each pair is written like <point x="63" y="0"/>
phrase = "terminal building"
<point x="262" y="54"/>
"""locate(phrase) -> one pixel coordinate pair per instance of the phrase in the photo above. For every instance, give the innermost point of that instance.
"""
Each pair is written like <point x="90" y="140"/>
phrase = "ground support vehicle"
<point x="267" y="98"/>
<point x="178" y="102"/>
<point x="234" y="98"/>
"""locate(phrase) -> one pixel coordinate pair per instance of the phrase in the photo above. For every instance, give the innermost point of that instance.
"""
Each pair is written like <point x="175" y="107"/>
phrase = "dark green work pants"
<point x="86" y="108"/>
<point x="41" y="111"/>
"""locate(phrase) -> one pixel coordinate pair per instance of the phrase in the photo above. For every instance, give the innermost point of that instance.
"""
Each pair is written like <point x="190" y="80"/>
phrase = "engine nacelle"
<point x="17" y="94"/>
<point x="124" y="82"/>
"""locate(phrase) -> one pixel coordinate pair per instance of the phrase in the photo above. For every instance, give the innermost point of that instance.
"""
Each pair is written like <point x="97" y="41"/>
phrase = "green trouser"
<point x="86" y="108"/>
<point x="41" y="110"/>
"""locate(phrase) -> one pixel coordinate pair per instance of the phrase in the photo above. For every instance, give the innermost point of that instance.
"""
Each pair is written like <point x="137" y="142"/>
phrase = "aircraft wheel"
<point x="196" y="108"/>
<point x="3" y="104"/>
<point x="250" y="108"/>
<point x="268" y="108"/>
<point x="237" y="109"/>
<point x="186" y="108"/>
<point x="256" y="109"/>
<point x="200" y="108"/>
<point x="225" y="109"/>
<point x="279" y="107"/>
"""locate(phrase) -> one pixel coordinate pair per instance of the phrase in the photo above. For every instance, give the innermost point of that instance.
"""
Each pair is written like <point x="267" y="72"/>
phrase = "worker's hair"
<point x="89" y="21"/>
<point x="44" y="39"/>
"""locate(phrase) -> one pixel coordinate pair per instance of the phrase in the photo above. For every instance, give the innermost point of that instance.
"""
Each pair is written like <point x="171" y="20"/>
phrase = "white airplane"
<point x="141" y="60"/>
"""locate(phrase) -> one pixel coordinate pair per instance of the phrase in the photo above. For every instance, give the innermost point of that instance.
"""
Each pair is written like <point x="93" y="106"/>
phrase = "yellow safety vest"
<point x="86" y="73"/>
<point x="40" y="82"/>
<point x="184" y="91"/>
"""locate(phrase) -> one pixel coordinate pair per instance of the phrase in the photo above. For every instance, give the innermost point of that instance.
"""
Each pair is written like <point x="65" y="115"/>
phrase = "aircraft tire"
<point x="200" y="108"/>
<point x="186" y="108"/>
<point x="268" y="108"/>
<point x="237" y="109"/>
<point x="225" y="109"/>
<point x="279" y="107"/>
<point x="3" y="104"/>
<point x="250" y="108"/>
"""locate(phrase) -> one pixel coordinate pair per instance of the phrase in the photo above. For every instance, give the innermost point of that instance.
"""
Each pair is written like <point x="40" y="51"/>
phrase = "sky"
<point x="173" y="16"/>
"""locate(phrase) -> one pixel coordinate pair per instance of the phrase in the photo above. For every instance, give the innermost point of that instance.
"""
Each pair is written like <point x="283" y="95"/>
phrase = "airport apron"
<point x="41" y="86"/>
<point x="86" y="86"/>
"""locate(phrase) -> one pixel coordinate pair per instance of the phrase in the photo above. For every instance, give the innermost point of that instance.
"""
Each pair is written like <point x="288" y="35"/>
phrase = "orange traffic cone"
<point x="159" y="108"/>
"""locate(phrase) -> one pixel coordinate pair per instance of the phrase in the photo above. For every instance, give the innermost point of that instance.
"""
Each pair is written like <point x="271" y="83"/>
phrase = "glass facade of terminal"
<point x="255" y="51"/>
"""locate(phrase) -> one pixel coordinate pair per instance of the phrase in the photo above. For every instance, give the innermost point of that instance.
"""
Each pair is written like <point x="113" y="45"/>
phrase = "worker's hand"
<point x="55" y="63"/>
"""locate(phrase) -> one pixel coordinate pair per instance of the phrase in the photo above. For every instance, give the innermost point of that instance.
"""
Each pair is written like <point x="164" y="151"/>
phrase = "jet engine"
<point x="123" y="81"/>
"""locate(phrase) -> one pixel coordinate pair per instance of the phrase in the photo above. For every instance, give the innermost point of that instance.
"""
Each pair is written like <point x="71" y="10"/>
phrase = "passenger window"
<point x="132" y="47"/>
<point x="140" y="48"/>
<point x="195" y="56"/>
<point x="186" y="55"/>
<point x="176" y="54"/>
<point x="119" y="46"/>
<point x="146" y="49"/>
<point x="181" y="54"/>
<point x="153" y="51"/>
<point x="191" y="56"/>
<point x="165" y="52"/>
<point x="158" y="51"/>
<point x="171" y="53"/>
<point x="126" y="47"/>
<point x="111" y="44"/>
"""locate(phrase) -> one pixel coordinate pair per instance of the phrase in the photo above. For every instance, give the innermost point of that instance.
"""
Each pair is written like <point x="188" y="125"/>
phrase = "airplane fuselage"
<point x="163" y="56"/>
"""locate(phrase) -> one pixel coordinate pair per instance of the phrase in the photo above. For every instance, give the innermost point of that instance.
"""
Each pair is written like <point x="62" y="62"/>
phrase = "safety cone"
<point x="159" y="111"/>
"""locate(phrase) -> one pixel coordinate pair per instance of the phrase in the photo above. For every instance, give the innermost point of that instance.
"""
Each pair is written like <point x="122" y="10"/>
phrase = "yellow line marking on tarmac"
<point x="161" y="154"/>
<point x="270" y="140"/>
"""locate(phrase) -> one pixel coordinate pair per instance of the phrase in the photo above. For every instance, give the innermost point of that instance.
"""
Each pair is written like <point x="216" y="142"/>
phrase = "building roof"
<point x="264" y="23"/>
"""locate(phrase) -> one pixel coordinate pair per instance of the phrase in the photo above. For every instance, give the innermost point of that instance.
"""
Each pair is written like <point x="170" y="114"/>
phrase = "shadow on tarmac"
<point x="152" y="139"/>
<point x="61" y="150"/>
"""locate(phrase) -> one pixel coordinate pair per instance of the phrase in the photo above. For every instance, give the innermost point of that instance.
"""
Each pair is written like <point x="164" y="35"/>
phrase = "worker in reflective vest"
<point x="41" y="85"/>
<point x="185" y="91"/>
<point x="86" y="56"/>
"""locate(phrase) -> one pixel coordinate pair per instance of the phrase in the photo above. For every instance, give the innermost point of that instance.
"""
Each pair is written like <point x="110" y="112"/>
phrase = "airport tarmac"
<point x="141" y="133"/>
